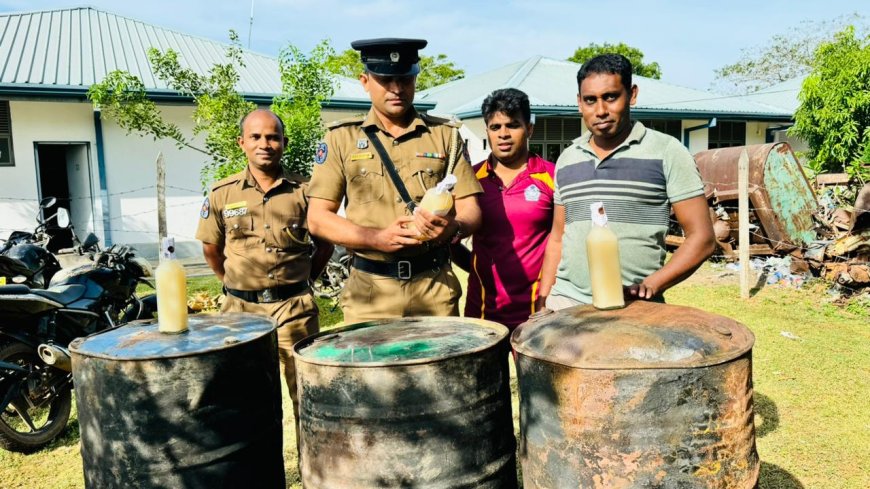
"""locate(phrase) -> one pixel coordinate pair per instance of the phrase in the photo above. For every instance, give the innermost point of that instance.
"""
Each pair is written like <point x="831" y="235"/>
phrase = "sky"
<point x="689" y="39"/>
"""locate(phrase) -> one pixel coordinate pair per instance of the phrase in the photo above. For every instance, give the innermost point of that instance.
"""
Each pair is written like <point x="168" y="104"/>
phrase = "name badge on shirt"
<point x="533" y="193"/>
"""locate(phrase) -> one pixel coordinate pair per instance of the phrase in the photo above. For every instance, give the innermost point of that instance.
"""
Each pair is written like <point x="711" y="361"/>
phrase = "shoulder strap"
<point x="371" y="131"/>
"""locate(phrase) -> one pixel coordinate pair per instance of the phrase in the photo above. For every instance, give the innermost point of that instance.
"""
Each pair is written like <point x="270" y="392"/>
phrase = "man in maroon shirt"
<point x="504" y="264"/>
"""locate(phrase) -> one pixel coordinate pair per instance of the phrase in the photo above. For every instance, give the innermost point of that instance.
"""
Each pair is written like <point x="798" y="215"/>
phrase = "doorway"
<point x="64" y="172"/>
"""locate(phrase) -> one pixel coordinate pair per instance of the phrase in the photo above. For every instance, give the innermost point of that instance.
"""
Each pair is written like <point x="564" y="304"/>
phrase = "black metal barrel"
<point x="652" y="395"/>
<point x="201" y="409"/>
<point x="422" y="402"/>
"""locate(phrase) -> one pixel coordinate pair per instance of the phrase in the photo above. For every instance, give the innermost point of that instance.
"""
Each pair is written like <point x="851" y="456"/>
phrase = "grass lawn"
<point x="811" y="374"/>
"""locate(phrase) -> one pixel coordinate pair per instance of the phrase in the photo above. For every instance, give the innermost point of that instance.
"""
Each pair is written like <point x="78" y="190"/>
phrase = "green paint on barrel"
<point x="402" y="341"/>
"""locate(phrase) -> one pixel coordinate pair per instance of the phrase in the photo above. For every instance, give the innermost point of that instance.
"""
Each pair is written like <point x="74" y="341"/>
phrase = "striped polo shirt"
<point x="637" y="182"/>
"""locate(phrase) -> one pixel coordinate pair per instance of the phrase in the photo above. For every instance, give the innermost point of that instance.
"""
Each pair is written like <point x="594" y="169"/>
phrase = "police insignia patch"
<point x="362" y="143"/>
<point x="320" y="154"/>
<point x="203" y="211"/>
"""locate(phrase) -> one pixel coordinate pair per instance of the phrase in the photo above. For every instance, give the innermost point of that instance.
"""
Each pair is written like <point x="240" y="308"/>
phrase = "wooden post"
<point x="161" y="199"/>
<point x="743" y="222"/>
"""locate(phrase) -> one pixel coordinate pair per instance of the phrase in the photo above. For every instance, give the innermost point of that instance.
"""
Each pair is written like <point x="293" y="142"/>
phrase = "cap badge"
<point x="394" y="57"/>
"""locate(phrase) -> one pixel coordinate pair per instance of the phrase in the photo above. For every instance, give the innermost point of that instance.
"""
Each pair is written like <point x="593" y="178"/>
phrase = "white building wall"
<point x="755" y="132"/>
<point x="698" y="139"/>
<point x="37" y="122"/>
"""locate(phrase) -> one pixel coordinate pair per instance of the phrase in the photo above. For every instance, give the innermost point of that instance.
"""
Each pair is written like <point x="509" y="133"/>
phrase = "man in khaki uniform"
<point x="394" y="274"/>
<point x="254" y="237"/>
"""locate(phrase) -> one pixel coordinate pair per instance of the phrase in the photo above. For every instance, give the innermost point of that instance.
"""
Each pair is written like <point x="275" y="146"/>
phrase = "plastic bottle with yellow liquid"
<point x="439" y="199"/>
<point x="171" y="291"/>
<point x="602" y="253"/>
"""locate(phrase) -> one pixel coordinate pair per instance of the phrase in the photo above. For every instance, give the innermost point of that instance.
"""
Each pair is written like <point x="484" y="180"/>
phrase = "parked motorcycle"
<point x="25" y="257"/>
<point x="331" y="281"/>
<point x="36" y="327"/>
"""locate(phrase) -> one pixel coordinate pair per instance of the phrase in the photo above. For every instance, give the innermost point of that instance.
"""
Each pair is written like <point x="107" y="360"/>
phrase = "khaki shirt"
<point x="263" y="234"/>
<point x="351" y="169"/>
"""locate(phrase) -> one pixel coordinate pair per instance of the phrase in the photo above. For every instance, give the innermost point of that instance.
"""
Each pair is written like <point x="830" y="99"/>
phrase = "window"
<point x="671" y="127"/>
<point x="552" y="135"/>
<point x="726" y="134"/>
<point x="5" y="135"/>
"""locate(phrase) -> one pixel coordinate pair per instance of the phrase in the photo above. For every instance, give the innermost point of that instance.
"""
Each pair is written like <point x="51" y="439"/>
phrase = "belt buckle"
<point x="265" y="296"/>
<point x="404" y="270"/>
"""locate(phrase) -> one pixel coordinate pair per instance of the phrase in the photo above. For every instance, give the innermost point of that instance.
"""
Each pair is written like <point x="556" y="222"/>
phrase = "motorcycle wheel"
<point x="24" y="428"/>
<point x="330" y="283"/>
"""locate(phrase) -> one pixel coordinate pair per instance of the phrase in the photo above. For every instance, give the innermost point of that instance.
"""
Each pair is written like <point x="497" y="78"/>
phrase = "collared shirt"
<point x="637" y="182"/>
<point x="263" y="234"/>
<point x="348" y="167"/>
<point x="508" y="249"/>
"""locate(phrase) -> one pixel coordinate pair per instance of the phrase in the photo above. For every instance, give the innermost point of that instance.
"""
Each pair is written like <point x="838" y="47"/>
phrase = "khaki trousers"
<point x="297" y="317"/>
<point x="368" y="297"/>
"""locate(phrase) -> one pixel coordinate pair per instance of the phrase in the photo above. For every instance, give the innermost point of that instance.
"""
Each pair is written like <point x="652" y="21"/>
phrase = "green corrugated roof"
<point x="63" y="52"/>
<point x="552" y="89"/>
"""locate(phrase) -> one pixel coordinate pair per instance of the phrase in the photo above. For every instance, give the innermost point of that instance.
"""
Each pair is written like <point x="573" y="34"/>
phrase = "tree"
<point x="783" y="57"/>
<point x="638" y="67"/>
<point x="834" y="115"/>
<point x="434" y="70"/>
<point x="122" y="97"/>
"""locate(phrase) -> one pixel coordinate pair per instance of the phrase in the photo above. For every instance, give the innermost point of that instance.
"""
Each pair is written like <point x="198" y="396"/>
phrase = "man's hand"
<point x="434" y="228"/>
<point x="397" y="236"/>
<point x="640" y="291"/>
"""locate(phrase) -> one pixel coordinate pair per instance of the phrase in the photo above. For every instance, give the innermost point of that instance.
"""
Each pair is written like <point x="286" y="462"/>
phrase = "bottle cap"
<point x="599" y="217"/>
<point x="167" y="248"/>
<point x="446" y="185"/>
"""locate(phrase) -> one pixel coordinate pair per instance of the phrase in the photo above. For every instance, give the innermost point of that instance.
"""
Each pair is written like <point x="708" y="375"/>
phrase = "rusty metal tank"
<point x="201" y="409"/>
<point x="414" y="402"/>
<point x="779" y="192"/>
<point x="652" y="395"/>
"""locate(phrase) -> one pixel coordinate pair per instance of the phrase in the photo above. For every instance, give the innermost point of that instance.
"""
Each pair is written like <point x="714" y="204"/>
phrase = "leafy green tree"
<point x="305" y="85"/>
<point x="638" y="67"/>
<point x="122" y="97"/>
<point x="783" y="57"/>
<point x="434" y="70"/>
<point x="834" y="115"/>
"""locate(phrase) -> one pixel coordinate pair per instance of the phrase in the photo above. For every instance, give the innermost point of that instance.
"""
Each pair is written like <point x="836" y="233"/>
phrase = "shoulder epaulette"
<point x="347" y="122"/>
<point x="227" y="180"/>
<point x="431" y="119"/>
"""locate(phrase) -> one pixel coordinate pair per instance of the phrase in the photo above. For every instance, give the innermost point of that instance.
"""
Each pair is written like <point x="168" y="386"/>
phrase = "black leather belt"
<point x="404" y="269"/>
<point x="265" y="296"/>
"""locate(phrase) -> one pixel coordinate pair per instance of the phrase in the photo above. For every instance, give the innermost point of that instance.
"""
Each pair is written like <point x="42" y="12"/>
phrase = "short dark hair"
<point x="245" y="117"/>
<point x="510" y="101"/>
<point x="612" y="63"/>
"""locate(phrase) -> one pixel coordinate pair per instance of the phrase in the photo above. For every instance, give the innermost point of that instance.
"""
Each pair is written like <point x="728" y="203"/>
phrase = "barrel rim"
<point x="500" y="328"/>
<point x="76" y="352"/>
<point x="709" y="361"/>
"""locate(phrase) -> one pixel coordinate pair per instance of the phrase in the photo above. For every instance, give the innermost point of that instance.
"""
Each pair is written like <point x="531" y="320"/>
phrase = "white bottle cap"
<point x="167" y="248"/>
<point x="446" y="185"/>
<point x="599" y="217"/>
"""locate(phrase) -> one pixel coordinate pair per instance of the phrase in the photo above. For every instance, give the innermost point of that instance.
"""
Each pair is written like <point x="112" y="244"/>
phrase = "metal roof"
<point x="552" y="89"/>
<point x="63" y="52"/>
<point x="783" y="95"/>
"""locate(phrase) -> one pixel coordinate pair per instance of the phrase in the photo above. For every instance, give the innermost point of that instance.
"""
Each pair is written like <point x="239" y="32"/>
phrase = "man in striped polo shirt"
<point x="640" y="175"/>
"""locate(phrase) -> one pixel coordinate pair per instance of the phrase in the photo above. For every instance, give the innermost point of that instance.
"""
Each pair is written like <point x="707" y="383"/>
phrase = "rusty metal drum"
<point x="413" y="402"/>
<point x="652" y="395"/>
<point x="201" y="409"/>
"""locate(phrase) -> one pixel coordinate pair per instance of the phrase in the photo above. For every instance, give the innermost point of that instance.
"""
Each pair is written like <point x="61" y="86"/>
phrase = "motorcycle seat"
<point x="14" y="289"/>
<point x="64" y="294"/>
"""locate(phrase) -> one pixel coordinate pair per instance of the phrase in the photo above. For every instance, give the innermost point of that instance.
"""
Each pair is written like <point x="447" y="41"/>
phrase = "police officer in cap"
<point x="394" y="273"/>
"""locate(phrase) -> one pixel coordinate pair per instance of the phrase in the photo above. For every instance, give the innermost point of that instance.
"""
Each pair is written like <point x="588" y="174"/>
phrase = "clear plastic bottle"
<point x="439" y="199"/>
<point x="171" y="291"/>
<point x="602" y="253"/>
